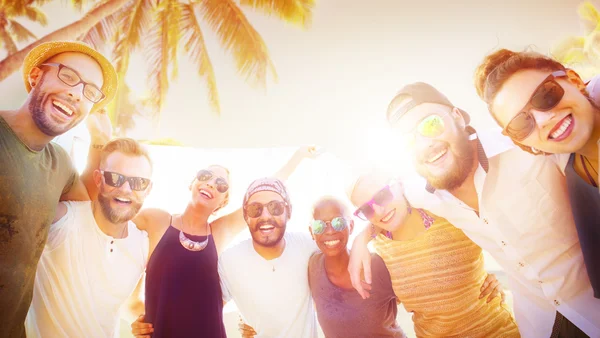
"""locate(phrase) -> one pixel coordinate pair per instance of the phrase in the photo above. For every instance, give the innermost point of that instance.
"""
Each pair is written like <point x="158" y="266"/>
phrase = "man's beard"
<point x="455" y="176"/>
<point x="273" y="239"/>
<point x="115" y="216"/>
<point x="40" y="116"/>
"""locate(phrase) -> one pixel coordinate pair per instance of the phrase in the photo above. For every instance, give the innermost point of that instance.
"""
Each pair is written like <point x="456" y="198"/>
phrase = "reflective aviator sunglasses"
<point x="319" y="226"/>
<point x="221" y="183"/>
<point x="431" y="126"/>
<point x="545" y="97"/>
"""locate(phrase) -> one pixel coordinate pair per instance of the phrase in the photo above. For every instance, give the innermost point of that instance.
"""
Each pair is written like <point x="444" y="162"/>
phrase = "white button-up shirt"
<point x="525" y="223"/>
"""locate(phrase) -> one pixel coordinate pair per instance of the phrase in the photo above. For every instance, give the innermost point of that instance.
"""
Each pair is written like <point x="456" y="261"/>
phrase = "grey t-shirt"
<point x="31" y="183"/>
<point x="343" y="313"/>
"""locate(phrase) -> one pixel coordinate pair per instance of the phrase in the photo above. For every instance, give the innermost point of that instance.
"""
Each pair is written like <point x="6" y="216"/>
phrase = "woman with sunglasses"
<point x="436" y="271"/>
<point x="340" y="309"/>
<point x="183" y="293"/>
<point x="546" y="109"/>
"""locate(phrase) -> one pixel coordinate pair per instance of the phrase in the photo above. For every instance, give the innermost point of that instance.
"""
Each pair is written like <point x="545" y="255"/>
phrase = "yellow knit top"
<point x="438" y="276"/>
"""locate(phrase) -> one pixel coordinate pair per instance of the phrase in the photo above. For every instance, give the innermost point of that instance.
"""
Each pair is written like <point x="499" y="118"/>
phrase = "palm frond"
<point x="238" y="36"/>
<point x="104" y="31"/>
<point x="567" y="49"/>
<point x="36" y="15"/>
<point x="161" y="46"/>
<point x="297" y="12"/>
<point x="589" y="17"/>
<point x="7" y="40"/>
<point x="193" y="41"/>
<point x="20" y="33"/>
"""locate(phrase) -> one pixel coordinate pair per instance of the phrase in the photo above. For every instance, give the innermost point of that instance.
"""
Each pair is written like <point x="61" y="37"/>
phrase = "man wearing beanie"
<point x="267" y="275"/>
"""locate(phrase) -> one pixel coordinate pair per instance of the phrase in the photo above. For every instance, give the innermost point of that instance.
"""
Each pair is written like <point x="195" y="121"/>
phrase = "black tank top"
<point x="183" y="291"/>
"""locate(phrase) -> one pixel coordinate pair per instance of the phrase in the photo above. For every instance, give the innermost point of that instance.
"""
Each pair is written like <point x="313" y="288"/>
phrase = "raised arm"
<point x="83" y="188"/>
<point x="225" y="228"/>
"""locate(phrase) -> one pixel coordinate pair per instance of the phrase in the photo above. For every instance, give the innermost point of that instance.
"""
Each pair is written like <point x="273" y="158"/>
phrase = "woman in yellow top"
<point x="437" y="272"/>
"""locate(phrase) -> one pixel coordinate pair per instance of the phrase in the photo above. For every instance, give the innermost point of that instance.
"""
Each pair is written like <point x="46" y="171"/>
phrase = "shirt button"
<point x="111" y="242"/>
<point x="111" y="250"/>
<point x="540" y="282"/>
<point x="485" y="221"/>
<point x="521" y="264"/>
<point x="503" y="243"/>
<point x="557" y="303"/>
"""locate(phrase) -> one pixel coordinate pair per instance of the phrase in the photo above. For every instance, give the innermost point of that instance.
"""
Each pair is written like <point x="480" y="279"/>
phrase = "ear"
<point x="97" y="176"/>
<point x="351" y="227"/>
<point x="34" y="76"/>
<point x="311" y="233"/>
<point x="458" y="118"/>
<point x="575" y="79"/>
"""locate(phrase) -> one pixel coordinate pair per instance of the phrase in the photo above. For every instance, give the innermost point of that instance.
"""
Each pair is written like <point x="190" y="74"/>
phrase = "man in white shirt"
<point x="267" y="276"/>
<point x="95" y="256"/>
<point x="512" y="204"/>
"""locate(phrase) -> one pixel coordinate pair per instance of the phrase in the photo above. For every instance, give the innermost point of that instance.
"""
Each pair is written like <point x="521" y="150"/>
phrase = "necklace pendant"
<point x="273" y="268"/>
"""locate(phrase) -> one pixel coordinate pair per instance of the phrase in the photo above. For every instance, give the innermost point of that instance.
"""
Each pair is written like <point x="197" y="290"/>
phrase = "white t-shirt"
<point x="272" y="296"/>
<point x="84" y="276"/>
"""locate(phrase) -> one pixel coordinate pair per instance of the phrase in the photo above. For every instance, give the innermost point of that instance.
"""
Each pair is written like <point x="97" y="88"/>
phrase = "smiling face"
<point x="332" y="242"/>
<point x="121" y="204"/>
<point x="388" y="217"/>
<point x="205" y="191"/>
<point x="566" y="128"/>
<point x="445" y="160"/>
<point x="55" y="106"/>
<point x="267" y="229"/>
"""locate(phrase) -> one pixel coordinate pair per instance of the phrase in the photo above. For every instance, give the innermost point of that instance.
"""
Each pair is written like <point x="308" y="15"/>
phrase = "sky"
<point x="336" y="78"/>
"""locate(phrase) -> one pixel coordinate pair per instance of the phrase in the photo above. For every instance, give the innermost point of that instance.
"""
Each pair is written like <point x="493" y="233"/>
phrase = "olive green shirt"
<point x="31" y="183"/>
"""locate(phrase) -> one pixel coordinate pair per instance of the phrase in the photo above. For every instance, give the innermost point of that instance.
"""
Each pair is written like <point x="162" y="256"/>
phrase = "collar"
<point x="489" y="144"/>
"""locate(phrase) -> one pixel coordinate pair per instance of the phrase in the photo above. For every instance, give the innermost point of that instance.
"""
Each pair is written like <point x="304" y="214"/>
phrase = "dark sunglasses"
<point x="431" y="126"/>
<point x="117" y="180"/>
<point x="255" y="209"/>
<point x="545" y="97"/>
<point x="71" y="78"/>
<point x="221" y="183"/>
<point x="319" y="226"/>
<point x="381" y="198"/>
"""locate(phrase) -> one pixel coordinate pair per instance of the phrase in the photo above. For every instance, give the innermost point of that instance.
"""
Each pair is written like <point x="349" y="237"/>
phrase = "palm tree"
<point x="13" y="62"/>
<point x="582" y="53"/>
<point x="167" y="25"/>
<point x="11" y="31"/>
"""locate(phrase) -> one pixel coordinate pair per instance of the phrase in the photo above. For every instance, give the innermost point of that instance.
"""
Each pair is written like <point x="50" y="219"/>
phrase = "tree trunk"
<point x="13" y="62"/>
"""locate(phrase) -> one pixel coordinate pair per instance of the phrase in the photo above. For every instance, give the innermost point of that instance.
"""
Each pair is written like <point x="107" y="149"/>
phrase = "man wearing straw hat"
<point x="66" y="81"/>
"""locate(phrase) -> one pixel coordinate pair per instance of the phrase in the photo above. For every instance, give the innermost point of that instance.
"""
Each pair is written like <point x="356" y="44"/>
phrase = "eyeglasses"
<point x="71" y="78"/>
<point x="117" y="180"/>
<point x="255" y="209"/>
<point x="319" y="226"/>
<point x="431" y="126"/>
<point x="205" y="175"/>
<point x="545" y="97"/>
<point x="381" y="198"/>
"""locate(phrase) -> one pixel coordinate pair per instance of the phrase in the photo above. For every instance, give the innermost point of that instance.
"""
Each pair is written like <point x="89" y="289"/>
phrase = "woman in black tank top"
<point x="183" y="292"/>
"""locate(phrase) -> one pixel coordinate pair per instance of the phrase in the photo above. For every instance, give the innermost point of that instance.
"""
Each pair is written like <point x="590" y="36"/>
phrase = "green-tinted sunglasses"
<point x="338" y="224"/>
<point x="431" y="126"/>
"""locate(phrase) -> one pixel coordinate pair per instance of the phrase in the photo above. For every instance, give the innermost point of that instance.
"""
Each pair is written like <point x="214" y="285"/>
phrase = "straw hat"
<point x="46" y="50"/>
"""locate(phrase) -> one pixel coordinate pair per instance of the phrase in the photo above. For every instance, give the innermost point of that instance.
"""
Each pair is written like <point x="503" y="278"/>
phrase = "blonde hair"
<point x="127" y="146"/>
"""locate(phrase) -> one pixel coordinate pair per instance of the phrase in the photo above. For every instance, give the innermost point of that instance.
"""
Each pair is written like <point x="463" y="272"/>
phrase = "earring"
<point x="534" y="150"/>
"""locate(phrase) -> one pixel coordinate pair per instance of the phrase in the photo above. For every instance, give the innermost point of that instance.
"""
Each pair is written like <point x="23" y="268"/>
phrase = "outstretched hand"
<point x="100" y="127"/>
